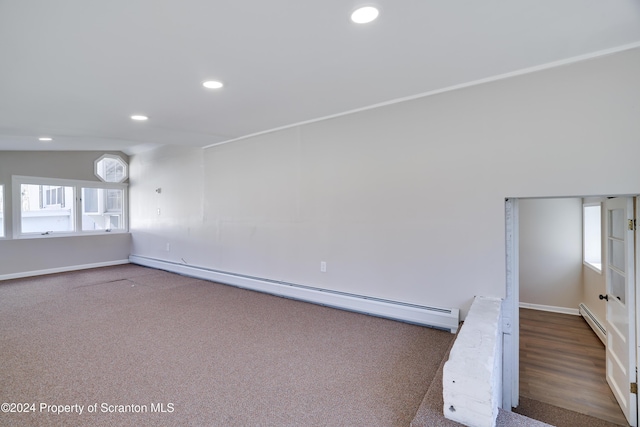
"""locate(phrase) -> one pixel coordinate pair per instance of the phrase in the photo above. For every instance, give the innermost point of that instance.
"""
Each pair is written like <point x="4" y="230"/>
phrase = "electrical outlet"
<point x="323" y="266"/>
<point x="158" y="211"/>
<point x="168" y="247"/>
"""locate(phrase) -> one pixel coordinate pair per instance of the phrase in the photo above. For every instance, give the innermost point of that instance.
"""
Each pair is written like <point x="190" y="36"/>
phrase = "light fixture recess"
<point x="212" y="84"/>
<point x="364" y="15"/>
<point x="45" y="138"/>
<point x="139" y="117"/>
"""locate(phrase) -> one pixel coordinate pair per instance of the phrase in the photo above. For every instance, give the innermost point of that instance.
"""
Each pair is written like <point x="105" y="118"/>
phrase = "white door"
<point x="619" y="270"/>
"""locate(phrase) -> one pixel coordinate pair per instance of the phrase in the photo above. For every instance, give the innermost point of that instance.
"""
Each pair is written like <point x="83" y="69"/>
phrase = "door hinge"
<point x="634" y="388"/>
<point x="632" y="224"/>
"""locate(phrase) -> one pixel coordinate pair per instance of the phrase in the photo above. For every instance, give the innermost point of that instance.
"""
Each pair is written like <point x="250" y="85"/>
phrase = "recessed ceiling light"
<point x="139" y="118"/>
<point x="45" y="138"/>
<point x="212" y="84"/>
<point x="364" y="15"/>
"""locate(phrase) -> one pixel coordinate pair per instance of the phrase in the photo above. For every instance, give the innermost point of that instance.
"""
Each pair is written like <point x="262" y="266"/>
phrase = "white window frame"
<point x="113" y="157"/>
<point x="99" y="201"/>
<point x="18" y="180"/>
<point x="589" y="264"/>
<point x="102" y="194"/>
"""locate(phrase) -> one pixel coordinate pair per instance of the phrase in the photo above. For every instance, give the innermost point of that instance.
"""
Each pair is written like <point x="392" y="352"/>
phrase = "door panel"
<point x="621" y="345"/>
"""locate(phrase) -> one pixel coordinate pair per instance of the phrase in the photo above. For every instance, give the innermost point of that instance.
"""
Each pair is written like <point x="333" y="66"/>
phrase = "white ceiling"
<point x="77" y="69"/>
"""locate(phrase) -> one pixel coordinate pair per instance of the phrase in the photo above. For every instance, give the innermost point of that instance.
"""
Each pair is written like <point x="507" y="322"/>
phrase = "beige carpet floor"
<point x="210" y="354"/>
<point x="133" y="346"/>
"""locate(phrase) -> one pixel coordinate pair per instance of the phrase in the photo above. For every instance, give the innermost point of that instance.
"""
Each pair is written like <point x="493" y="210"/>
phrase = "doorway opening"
<point x="549" y="271"/>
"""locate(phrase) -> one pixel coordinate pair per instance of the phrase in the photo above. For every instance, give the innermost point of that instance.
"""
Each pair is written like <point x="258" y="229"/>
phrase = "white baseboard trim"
<point x="594" y="322"/>
<point x="443" y="318"/>
<point x="551" y="308"/>
<point x="61" y="269"/>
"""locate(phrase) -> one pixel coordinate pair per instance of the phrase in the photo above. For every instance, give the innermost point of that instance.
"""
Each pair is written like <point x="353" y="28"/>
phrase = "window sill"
<point x="61" y="234"/>
<point x="595" y="267"/>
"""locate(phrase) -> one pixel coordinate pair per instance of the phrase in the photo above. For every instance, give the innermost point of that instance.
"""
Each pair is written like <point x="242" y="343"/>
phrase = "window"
<point x="48" y="206"/>
<point x="102" y="209"/>
<point x="592" y="236"/>
<point x="43" y="208"/>
<point x="52" y="196"/>
<point x="110" y="168"/>
<point x="90" y="201"/>
<point x="1" y="210"/>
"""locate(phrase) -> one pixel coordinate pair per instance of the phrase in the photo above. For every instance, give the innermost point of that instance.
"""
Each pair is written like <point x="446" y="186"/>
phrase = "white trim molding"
<point x="62" y="269"/>
<point x="491" y="79"/>
<point x="437" y="317"/>
<point x="510" y="313"/>
<point x="551" y="308"/>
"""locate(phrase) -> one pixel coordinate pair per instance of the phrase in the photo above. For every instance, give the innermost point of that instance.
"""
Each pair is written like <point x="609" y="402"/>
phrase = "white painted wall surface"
<point x="551" y="252"/>
<point x="174" y="215"/>
<point x="403" y="202"/>
<point x="19" y="257"/>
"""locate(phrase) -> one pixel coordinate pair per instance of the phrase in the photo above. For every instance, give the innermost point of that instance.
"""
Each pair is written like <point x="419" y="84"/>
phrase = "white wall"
<point x="406" y="201"/>
<point x="25" y="256"/>
<point x="177" y="172"/>
<point x="551" y="252"/>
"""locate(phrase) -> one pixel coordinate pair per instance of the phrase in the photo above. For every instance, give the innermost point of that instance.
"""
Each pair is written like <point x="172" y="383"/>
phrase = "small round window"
<point x="110" y="168"/>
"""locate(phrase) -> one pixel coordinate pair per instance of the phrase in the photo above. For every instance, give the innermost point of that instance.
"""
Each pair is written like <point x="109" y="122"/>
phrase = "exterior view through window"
<point x="592" y="236"/>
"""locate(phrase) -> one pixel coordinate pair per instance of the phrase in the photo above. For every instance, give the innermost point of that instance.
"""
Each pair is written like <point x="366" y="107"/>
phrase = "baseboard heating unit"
<point x="435" y="317"/>
<point x="593" y="321"/>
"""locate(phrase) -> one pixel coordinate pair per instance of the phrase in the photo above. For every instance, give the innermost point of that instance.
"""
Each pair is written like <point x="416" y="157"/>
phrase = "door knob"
<point x="604" y="297"/>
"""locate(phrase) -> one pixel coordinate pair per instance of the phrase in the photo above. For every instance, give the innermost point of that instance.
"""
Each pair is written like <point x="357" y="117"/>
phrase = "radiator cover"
<point x="435" y="317"/>
<point x="593" y="321"/>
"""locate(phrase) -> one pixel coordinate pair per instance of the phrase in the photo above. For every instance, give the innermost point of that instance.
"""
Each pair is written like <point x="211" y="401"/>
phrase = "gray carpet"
<point x="192" y="352"/>
<point x="214" y="355"/>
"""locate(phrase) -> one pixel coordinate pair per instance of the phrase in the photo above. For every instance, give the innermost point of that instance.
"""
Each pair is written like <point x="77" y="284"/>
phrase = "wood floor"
<point x="562" y="362"/>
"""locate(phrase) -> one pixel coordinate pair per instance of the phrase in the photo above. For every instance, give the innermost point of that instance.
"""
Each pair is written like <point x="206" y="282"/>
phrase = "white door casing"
<point x="510" y="313"/>
<point x="621" y="322"/>
<point x="637" y="279"/>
